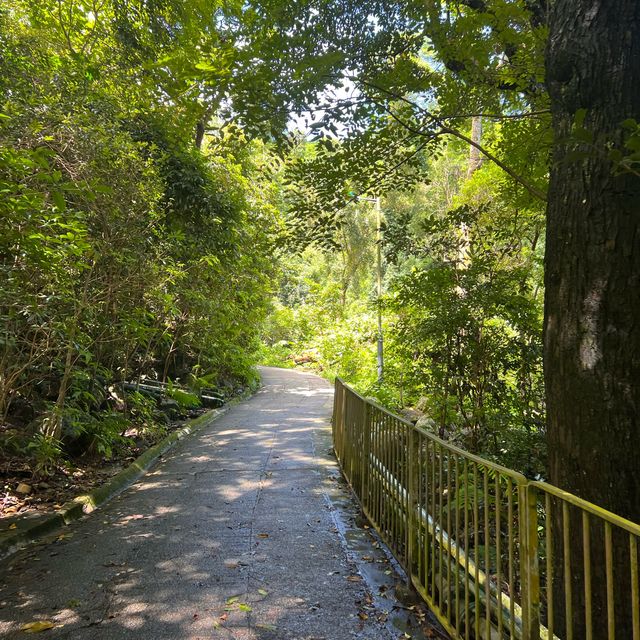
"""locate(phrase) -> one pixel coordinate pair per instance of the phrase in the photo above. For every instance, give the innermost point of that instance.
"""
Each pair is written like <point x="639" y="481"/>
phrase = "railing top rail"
<point x="585" y="505"/>
<point x="591" y="508"/>
<point x="518" y="478"/>
<point x="373" y="403"/>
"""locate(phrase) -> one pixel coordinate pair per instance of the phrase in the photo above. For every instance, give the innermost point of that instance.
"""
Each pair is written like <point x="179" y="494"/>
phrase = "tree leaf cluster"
<point x="125" y="251"/>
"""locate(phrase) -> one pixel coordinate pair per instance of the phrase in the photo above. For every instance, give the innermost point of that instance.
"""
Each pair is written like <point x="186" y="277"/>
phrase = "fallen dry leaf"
<point x="37" y="626"/>
<point x="263" y="535"/>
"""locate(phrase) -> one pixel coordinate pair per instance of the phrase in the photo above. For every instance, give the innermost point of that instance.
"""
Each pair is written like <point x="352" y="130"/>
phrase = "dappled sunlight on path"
<point x="234" y="535"/>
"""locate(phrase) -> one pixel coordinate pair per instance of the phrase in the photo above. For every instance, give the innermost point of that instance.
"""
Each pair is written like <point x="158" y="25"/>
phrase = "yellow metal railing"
<point x="478" y="540"/>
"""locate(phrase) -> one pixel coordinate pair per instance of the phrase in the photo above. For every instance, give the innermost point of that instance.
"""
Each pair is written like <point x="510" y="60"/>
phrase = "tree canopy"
<point x="185" y="188"/>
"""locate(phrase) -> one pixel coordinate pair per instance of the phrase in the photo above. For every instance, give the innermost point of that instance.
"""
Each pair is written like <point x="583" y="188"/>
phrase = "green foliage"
<point x="124" y="249"/>
<point x="276" y="355"/>
<point x="462" y="307"/>
<point x="463" y="234"/>
<point x="323" y="316"/>
<point x="185" y="399"/>
<point x="141" y="410"/>
<point x="100" y="433"/>
<point x="46" y="452"/>
<point x="466" y="293"/>
<point x="147" y="170"/>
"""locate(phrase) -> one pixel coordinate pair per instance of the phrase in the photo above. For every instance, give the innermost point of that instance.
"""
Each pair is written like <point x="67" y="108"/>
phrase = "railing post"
<point x="337" y="419"/>
<point x="334" y="416"/>
<point x="366" y="451"/>
<point x="356" y="450"/>
<point x="343" y="410"/>
<point x="530" y="571"/>
<point x="348" y="437"/>
<point x="413" y="475"/>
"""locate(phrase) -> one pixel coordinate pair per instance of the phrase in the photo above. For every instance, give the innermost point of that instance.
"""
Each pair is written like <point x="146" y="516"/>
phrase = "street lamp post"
<point x="380" y="358"/>
<point x="379" y="269"/>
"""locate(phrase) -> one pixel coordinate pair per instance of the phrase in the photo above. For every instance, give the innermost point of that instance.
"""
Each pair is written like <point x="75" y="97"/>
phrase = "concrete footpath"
<point x="244" y="531"/>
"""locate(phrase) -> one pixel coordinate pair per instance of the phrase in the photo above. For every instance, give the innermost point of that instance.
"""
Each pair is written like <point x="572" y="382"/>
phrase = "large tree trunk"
<point x="592" y="279"/>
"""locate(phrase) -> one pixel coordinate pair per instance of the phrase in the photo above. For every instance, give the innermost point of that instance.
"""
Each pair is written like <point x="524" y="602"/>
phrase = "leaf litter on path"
<point x="37" y="626"/>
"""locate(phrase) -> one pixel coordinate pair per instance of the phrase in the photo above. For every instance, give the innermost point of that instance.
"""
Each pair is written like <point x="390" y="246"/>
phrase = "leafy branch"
<point x="445" y="129"/>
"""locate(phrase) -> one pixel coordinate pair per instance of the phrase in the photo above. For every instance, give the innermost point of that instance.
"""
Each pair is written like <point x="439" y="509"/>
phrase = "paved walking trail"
<point x="239" y="533"/>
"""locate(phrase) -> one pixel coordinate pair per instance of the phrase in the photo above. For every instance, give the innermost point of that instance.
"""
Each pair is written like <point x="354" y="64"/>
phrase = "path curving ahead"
<point x="236" y="534"/>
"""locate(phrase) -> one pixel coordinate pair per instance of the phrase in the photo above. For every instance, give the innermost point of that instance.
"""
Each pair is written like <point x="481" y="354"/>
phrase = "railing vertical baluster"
<point x="379" y="479"/>
<point x="381" y="459"/>
<point x="406" y="481"/>
<point x="467" y="590"/>
<point x="434" y="569"/>
<point x="635" y="589"/>
<point x="498" y="498"/>
<point x="362" y="427"/>
<point x="403" y="450"/>
<point x="428" y="560"/>
<point x="423" y="526"/>
<point x="487" y="560"/>
<point x="512" y="578"/>
<point x="394" y="471"/>
<point x="412" y="505"/>
<point x="586" y="561"/>
<point x="449" y="593"/>
<point x="440" y="531"/>
<point x="456" y="565"/>
<point x="385" y="461"/>
<point x="549" y="552"/>
<point x="566" y="550"/>
<point x="608" y="550"/>
<point x="476" y="546"/>
<point x="349" y="436"/>
<point x="366" y="455"/>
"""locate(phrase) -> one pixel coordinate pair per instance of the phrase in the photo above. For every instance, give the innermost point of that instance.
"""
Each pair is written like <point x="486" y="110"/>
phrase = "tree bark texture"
<point x="592" y="280"/>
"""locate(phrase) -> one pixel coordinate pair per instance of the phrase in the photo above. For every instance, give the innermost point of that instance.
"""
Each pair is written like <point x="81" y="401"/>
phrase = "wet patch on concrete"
<point x="389" y="598"/>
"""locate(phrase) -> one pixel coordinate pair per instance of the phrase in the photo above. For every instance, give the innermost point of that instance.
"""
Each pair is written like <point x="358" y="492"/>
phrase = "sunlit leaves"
<point x="432" y="67"/>
<point x="124" y="250"/>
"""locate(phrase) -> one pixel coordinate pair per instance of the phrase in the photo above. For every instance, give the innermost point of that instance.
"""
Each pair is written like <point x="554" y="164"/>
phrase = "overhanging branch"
<point x="447" y="130"/>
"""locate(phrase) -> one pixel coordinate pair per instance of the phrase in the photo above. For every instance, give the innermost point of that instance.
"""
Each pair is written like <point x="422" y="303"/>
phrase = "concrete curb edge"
<point x="89" y="502"/>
